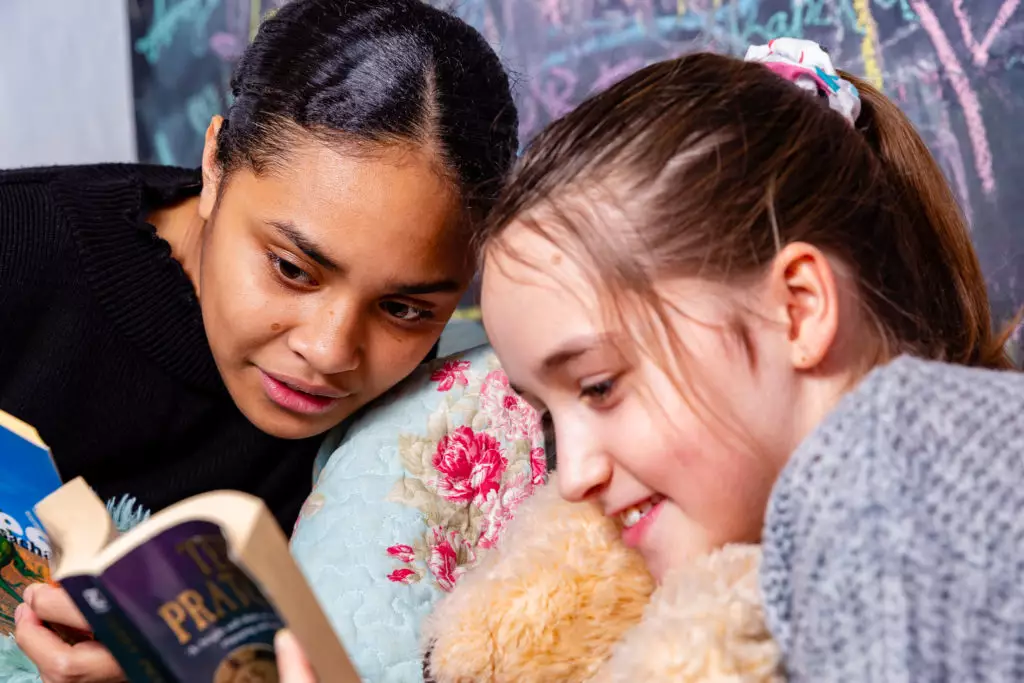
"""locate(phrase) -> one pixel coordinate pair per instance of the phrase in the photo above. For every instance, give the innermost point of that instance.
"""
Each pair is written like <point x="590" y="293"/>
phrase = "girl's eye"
<point x="598" y="393"/>
<point x="289" y="271"/>
<point x="405" y="312"/>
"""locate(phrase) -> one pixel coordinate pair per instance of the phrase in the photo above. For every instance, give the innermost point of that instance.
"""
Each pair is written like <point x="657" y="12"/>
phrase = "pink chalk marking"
<point x="962" y="87"/>
<point x="1005" y="12"/>
<point x="491" y="31"/>
<point x="556" y="94"/>
<point x="609" y="75"/>
<point x="552" y="11"/>
<point x="528" y="119"/>
<point x="226" y="46"/>
<point x="951" y="151"/>
<point x="979" y="51"/>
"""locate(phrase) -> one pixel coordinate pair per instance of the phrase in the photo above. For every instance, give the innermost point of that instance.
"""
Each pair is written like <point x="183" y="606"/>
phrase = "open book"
<point x="195" y="593"/>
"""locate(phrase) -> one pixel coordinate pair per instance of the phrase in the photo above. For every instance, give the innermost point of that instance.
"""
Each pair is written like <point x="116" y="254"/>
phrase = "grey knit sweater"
<point x="894" y="542"/>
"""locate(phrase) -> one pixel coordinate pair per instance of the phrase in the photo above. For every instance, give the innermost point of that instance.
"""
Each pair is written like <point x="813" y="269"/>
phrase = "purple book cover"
<point x="196" y="608"/>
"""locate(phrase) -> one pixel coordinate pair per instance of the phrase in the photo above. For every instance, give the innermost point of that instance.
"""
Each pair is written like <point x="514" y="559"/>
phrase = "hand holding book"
<point x="90" y="662"/>
<point x="197" y="592"/>
<point x="58" y="661"/>
<point x="291" y="660"/>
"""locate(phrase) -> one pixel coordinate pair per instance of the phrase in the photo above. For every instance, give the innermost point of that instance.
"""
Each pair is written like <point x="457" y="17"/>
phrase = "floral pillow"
<point x="404" y="503"/>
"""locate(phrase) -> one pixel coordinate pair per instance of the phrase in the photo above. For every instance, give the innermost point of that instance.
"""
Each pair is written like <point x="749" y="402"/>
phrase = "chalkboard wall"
<point x="955" y="66"/>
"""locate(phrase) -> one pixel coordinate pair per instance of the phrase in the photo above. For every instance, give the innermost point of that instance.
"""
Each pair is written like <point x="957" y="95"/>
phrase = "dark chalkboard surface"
<point x="955" y="66"/>
<point x="182" y="55"/>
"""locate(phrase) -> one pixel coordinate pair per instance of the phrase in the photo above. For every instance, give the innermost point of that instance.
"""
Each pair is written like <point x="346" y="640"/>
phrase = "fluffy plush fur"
<point x="562" y="599"/>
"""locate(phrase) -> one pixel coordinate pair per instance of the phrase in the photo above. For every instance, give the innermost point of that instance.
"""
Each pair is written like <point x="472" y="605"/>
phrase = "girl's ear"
<point x="211" y="170"/>
<point x="803" y="286"/>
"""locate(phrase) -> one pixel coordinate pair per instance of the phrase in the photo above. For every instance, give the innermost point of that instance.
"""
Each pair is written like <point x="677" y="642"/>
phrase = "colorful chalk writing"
<point x="956" y="67"/>
<point x="965" y="93"/>
<point x="979" y="51"/>
<point x="183" y="53"/>
<point x="183" y="19"/>
<point x="868" y="43"/>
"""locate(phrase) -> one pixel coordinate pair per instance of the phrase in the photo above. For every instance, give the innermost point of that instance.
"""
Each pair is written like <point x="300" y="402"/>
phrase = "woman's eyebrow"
<point x="304" y="244"/>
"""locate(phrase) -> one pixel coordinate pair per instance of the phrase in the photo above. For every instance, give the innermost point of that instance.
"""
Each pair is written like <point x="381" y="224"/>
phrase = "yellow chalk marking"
<point x="471" y="313"/>
<point x="868" y="51"/>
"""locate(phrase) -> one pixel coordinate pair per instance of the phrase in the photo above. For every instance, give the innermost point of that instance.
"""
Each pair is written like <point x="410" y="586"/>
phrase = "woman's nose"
<point x="331" y="342"/>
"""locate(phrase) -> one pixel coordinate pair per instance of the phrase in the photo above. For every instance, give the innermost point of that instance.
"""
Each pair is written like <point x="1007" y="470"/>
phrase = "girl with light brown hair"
<point x="747" y="298"/>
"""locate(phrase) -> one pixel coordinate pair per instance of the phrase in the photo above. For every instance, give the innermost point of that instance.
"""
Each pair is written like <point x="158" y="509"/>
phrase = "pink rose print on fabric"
<point x="405" y="553"/>
<point x="538" y="466"/>
<point x="453" y="372"/>
<point x="499" y="508"/>
<point x="443" y="561"/>
<point x="480" y="458"/>
<point x="470" y="464"/>
<point x="403" y="575"/>
<point x="506" y="410"/>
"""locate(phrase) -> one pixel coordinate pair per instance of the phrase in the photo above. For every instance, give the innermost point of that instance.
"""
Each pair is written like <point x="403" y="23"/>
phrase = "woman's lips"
<point x="298" y="399"/>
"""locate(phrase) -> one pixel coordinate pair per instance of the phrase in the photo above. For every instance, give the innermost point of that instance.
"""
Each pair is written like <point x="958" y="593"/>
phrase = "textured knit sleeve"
<point x="894" y="542"/>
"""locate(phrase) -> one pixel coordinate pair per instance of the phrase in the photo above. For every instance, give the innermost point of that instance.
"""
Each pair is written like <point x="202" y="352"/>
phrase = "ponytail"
<point x="959" y="318"/>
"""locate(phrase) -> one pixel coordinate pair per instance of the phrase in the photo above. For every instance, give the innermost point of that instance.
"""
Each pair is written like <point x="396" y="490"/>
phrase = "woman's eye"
<point x="405" y="312"/>
<point x="289" y="271"/>
<point x="598" y="392"/>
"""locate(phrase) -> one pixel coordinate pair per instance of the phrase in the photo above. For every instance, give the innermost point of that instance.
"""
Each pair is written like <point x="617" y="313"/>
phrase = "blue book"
<point x="29" y="475"/>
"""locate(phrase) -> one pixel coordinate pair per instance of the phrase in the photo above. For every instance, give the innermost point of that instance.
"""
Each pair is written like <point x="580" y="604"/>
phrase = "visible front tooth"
<point x="634" y="514"/>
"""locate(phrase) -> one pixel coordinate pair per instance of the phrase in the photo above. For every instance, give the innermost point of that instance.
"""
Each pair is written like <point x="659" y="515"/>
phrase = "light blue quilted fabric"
<point x="340" y="550"/>
<point x="347" y="525"/>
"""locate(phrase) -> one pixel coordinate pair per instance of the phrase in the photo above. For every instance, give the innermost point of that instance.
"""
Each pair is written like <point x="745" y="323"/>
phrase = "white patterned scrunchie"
<point x="807" y="65"/>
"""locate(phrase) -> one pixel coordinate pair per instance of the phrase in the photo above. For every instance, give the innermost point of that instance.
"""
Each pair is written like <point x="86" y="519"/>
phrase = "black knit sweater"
<point x="103" y="350"/>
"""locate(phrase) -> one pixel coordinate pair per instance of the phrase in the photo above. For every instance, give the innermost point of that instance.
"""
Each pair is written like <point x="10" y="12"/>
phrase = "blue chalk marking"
<point x="165" y="25"/>
<point x="162" y="147"/>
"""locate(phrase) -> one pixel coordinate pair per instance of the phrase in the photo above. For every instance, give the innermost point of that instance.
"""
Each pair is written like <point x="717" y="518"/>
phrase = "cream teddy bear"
<point x="562" y="599"/>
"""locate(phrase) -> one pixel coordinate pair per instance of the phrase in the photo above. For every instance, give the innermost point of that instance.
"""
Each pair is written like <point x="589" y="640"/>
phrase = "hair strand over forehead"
<point x="713" y="165"/>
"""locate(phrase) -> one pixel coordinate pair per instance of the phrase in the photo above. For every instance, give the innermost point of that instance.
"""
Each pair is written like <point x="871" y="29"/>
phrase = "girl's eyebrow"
<point x="570" y="350"/>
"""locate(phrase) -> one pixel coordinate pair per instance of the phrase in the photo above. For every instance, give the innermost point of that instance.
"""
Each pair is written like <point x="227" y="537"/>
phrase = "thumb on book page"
<point x="291" y="660"/>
